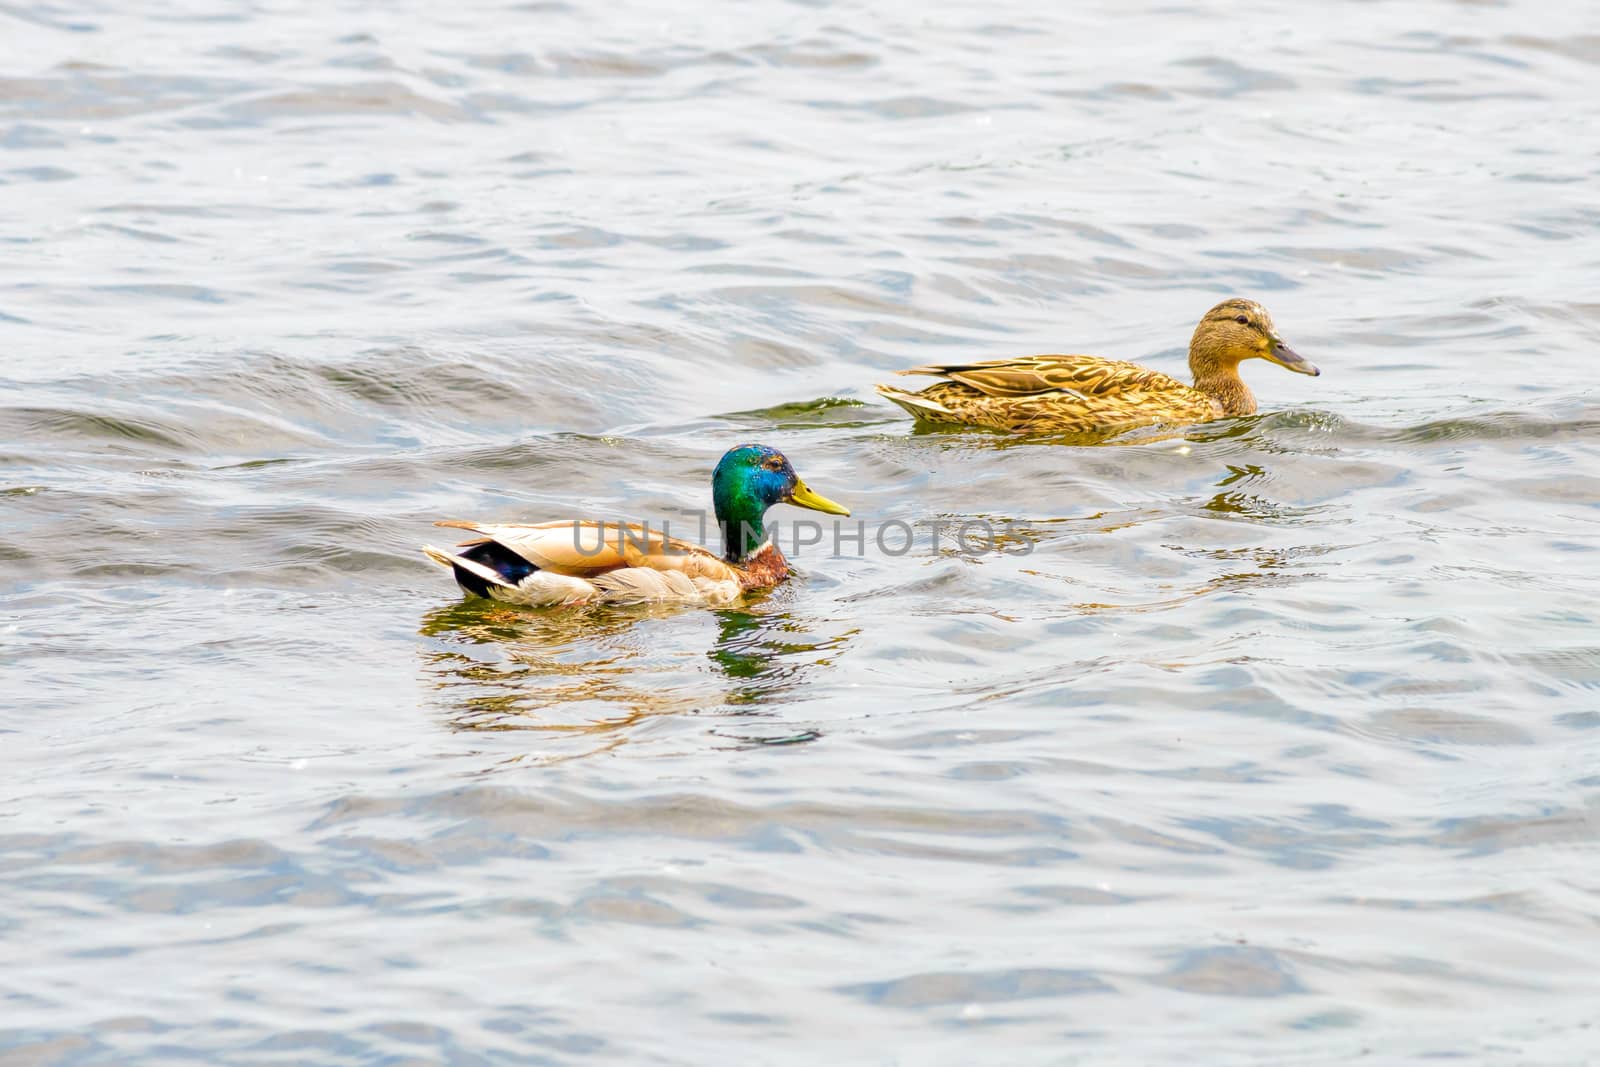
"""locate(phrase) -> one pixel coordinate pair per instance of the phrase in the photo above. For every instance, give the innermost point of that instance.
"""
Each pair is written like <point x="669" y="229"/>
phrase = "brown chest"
<point x="1229" y="391"/>
<point x="764" y="569"/>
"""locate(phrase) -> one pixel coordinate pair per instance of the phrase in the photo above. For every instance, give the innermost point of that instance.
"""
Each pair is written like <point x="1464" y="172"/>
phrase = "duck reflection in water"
<point x="770" y="653"/>
<point x="600" y="673"/>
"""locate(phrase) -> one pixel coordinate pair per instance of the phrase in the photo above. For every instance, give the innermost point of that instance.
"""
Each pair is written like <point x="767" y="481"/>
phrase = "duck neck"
<point x="741" y="516"/>
<point x="1219" y="379"/>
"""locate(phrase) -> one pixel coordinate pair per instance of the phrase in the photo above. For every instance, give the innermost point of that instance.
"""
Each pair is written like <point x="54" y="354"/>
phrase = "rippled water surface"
<point x="1280" y="746"/>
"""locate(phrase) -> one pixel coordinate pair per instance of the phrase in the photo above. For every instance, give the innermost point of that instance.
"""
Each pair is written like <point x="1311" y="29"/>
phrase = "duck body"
<point x="1053" y="394"/>
<point x="581" y="561"/>
<point x="575" y="561"/>
<point x="1089" y="394"/>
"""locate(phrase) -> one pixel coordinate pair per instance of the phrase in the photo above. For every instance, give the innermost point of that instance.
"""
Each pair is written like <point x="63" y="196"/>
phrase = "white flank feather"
<point x="544" y="588"/>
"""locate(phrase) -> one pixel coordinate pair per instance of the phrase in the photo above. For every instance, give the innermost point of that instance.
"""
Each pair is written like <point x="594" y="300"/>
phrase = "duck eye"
<point x="1242" y="320"/>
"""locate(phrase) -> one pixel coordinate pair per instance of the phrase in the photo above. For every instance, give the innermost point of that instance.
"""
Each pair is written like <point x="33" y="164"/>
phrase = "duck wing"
<point x="1033" y="376"/>
<point x="583" y="548"/>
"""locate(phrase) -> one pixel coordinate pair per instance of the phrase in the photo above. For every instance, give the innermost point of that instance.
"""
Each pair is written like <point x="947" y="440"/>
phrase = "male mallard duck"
<point x="579" y="561"/>
<point x="1081" y="394"/>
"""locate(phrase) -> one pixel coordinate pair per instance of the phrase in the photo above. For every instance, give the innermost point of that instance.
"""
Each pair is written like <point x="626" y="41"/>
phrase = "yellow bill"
<point x="804" y="498"/>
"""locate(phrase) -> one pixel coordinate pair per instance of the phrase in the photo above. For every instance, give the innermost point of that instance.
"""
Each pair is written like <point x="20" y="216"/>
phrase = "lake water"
<point x="1280" y="746"/>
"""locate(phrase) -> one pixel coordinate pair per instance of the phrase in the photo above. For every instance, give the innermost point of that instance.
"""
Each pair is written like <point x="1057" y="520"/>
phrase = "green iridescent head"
<point x="748" y="480"/>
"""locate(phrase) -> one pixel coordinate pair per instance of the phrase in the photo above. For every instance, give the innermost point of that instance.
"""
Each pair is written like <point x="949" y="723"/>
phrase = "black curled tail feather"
<point x="498" y="558"/>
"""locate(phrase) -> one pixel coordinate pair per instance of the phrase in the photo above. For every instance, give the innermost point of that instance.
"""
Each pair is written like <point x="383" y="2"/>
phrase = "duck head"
<point x="1236" y="330"/>
<point x="747" y="481"/>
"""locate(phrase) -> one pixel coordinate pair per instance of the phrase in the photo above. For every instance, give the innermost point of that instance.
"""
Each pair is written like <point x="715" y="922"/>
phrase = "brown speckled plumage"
<point x="1087" y="394"/>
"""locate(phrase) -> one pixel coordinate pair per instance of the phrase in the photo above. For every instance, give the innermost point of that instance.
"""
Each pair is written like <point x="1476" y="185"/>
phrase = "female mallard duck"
<point x="1083" y="394"/>
<point x="579" y="561"/>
